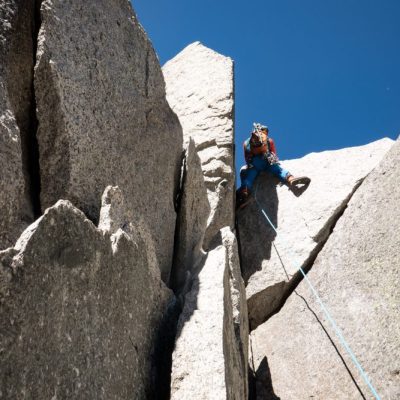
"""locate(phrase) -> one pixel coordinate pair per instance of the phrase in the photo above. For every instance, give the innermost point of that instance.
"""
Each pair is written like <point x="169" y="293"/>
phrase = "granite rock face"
<point x="82" y="309"/>
<point x="210" y="356"/>
<point x="16" y="71"/>
<point x="200" y="89"/>
<point x="210" y="359"/>
<point x="356" y="275"/>
<point x="103" y="116"/>
<point x="193" y="213"/>
<point x="303" y="223"/>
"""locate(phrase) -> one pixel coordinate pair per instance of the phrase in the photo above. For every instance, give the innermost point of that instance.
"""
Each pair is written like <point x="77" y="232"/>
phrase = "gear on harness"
<point x="271" y="158"/>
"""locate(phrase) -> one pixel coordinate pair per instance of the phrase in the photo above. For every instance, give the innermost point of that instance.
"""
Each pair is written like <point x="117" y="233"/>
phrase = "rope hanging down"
<point x="327" y="314"/>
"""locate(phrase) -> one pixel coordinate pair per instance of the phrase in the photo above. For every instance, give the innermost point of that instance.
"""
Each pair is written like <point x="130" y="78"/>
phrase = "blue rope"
<point x="327" y="314"/>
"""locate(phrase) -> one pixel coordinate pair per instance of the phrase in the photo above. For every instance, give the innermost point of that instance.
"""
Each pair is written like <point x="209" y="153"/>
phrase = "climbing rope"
<point x="325" y="310"/>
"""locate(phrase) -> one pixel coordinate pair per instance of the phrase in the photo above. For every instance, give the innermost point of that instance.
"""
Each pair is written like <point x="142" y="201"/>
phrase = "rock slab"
<point x="303" y="223"/>
<point x="356" y="275"/>
<point x="80" y="309"/>
<point x="16" y="74"/>
<point x="200" y="89"/>
<point x="210" y="356"/>
<point x="103" y="116"/>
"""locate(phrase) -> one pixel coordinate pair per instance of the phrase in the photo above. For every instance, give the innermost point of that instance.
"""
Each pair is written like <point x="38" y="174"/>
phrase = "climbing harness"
<point x="259" y="144"/>
<point x="326" y="312"/>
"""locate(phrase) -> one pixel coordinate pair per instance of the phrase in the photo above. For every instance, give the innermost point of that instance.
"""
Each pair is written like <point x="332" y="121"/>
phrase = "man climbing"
<point x="260" y="155"/>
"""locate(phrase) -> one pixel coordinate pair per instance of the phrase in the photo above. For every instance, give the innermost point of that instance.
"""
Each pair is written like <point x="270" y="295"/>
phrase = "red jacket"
<point x="250" y="150"/>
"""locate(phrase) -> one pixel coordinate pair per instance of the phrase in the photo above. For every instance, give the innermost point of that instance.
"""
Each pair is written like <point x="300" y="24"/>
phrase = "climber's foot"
<point x="243" y="198"/>
<point x="299" y="185"/>
<point x="301" y="180"/>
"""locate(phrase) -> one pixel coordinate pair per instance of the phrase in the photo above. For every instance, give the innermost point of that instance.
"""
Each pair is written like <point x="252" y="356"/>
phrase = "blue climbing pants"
<point x="248" y="175"/>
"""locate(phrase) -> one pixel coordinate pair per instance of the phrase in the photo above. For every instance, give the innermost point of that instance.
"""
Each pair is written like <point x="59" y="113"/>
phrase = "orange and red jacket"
<point x="252" y="148"/>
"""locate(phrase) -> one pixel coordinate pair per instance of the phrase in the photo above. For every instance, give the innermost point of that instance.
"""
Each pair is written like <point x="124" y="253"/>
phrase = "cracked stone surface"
<point x="103" y="116"/>
<point x="210" y="356"/>
<point x="192" y="221"/>
<point x="82" y="307"/>
<point x="200" y="89"/>
<point x="16" y="71"/>
<point x="303" y="222"/>
<point x="356" y="275"/>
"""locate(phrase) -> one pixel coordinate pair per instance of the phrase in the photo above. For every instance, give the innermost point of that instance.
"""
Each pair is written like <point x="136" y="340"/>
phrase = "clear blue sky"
<point x="322" y="74"/>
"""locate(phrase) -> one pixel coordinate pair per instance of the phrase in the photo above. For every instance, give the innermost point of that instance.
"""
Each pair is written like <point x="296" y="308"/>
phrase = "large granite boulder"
<point x="200" y="89"/>
<point x="103" y="116"/>
<point x="296" y="353"/>
<point x="210" y="356"/>
<point x="81" y="309"/>
<point x="303" y="223"/>
<point x="16" y="72"/>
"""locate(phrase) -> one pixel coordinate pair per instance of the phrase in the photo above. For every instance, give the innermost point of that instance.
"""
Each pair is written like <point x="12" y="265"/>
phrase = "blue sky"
<point x="321" y="74"/>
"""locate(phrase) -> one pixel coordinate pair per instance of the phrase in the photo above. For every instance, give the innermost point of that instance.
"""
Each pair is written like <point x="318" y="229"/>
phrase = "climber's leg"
<point x="247" y="178"/>
<point x="282" y="174"/>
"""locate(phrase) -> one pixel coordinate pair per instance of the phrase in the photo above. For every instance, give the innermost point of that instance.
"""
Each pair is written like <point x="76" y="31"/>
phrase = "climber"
<point x="260" y="155"/>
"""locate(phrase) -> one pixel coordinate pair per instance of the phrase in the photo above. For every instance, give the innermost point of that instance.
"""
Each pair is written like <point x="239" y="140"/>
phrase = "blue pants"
<point x="248" y="175"/>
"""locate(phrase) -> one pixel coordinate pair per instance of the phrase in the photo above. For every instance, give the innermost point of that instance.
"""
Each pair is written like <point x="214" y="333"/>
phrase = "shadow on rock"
<point x="263" y="386"/>
<point x="255" y="235"/>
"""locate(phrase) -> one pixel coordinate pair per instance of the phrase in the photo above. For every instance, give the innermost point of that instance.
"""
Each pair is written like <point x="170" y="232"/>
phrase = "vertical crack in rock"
<point x="259" y="305"/>
<point x="163" y="350"/>
<point x="29" y="142"/>
<point x="93" y="130"/>
<point x="199" y="87"/>
<point x="20" y="176"/>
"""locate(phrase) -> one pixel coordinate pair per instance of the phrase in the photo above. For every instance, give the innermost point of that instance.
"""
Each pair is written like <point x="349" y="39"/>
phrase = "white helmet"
<point x="259" y="127"/>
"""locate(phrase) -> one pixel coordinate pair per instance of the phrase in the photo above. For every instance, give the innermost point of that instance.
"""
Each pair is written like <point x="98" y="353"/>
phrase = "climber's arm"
<point x="272" y="146"/>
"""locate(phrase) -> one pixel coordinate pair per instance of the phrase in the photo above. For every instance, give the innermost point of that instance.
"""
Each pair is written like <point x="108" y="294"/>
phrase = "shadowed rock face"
<point x="356" y="275"/>
<point x="103" y="117"/>
<point x="16" y="71"/>
<point x="303" y="223"/>
<point x="200" y="87"/>
<point x="82" y="310"/>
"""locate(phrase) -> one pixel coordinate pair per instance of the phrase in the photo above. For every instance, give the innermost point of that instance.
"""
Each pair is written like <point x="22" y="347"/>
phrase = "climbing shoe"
<point x="302" y="180"/>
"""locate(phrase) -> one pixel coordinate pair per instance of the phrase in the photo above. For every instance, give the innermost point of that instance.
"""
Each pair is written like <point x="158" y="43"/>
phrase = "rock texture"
<point x="193" y="213"/>
<point x="103" y="116"/>
<point x="356" y="275"/>
<point x="211" y="347"/>
<point x="210" y="357"/>
<point x="200" y="89"/>
<point x="16" y="71"/>
<point x="81" y="310"/>
<point x="303" y="222"/>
